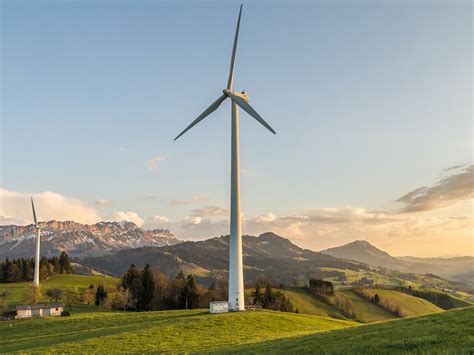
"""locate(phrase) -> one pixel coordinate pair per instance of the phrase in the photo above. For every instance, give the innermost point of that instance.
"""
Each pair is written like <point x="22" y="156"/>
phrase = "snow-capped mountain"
<point x="80" y="239"/>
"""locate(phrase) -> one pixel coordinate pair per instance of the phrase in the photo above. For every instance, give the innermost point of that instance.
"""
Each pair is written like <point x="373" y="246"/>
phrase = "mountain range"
<point x="80" y="239"/>
<point x="268" y="255"/>
<point x="457" y="268"/>
<point x="110" y="247"/>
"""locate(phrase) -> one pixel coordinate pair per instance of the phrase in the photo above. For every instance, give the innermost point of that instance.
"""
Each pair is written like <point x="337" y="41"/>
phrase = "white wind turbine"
<point x="36" y="278"/>
<point x="241" y="99"/>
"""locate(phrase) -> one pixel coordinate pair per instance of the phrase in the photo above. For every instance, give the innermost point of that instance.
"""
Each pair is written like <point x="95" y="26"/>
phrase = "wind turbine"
<point x="238" y="99"/>
<point x="38" y="242"/>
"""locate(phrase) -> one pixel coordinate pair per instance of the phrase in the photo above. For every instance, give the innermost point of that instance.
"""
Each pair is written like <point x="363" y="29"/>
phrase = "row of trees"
<point x="376" y="299"/>
<point x="442" y="300"/>
<point x="147" y="289"/>
<point x="266" y="297"/>
<point x="321" y="287"/>
<point x="22" y="269"/>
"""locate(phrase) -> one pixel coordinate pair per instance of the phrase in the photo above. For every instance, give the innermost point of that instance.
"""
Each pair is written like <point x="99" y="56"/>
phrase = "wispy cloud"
<point x="152" y="164"/>
<point x="210" y="211"/>
<point x="192" y="201"/>
<point x="102" y="202"/>
<point x="450" y="190"/>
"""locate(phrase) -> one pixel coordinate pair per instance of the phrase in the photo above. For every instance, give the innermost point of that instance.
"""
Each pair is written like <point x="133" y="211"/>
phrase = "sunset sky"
<point x="372" y="104"/>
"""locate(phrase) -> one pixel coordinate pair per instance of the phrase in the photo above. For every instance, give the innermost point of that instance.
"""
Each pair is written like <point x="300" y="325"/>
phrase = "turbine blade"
<point x="249" y="109"/>
<point x="234" y="50"/>
<point x="34" y="212"/>
<point x="203" y="115"/>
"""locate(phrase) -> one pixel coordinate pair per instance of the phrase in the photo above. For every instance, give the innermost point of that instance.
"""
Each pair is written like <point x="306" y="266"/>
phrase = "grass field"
<point x="307" y="303"/>
<point x="409" y="305"/>
<point x="361" y="309"/>
<point x="167" y="331"/>
<point x="197" y="331"/>
<point x="442" y="333"/>
<point x="16" y="291"/>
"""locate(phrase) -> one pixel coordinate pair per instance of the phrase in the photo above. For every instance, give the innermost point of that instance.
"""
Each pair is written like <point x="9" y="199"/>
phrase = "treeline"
<point x="147" y="289"/>
<point x="321" y="287"/>
<point x="265" y="297"/>
<point x="384" y="303"/>
<point x="442" y="300"/>
<point x="22" y="269"/>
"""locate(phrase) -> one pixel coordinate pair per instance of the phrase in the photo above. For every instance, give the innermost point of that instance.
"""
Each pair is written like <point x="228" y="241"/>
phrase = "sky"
<point x="371" y="102"/>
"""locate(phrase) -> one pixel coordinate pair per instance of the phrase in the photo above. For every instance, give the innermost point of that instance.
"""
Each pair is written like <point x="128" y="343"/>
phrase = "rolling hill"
<point x="268" y="254"/>
<point x="244" y="332"/>
<point x="442" y="333"/>
<point x="16" y="291"/>
<point x="165" y="331"/>
<point x="456" y="269"/>
<point x="409" y="305"/>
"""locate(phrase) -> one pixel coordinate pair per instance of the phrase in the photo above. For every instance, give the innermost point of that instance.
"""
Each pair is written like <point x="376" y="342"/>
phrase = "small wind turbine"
<point x="241" y="99"/>
<point x="36" y="278"/>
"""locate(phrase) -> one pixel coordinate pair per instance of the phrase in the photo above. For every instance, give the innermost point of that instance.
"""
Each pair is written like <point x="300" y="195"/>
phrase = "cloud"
<point x="15" y="208"/>
<point x="102" y="202"/>
<point x="269" y="217"/>
<point x="210" y="211"/>
<point x="192" y="201"/>
<point x="119" y="216"/>
<point x="161" y="219"/>
<point x="152" y="164"/>
<point x="450" y="190"/>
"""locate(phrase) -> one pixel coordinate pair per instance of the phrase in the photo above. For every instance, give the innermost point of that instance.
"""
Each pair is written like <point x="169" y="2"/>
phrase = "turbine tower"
<point x="38" y="242"/>
<point x="238" y="99"/>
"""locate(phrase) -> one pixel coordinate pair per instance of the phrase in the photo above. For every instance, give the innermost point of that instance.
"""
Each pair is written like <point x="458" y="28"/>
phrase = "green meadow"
<point x="197" y="331"/>
<point x="16" y="291"/>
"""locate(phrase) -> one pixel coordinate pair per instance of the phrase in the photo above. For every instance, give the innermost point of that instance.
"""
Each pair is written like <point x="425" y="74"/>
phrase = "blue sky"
<point x="370" y="100"/>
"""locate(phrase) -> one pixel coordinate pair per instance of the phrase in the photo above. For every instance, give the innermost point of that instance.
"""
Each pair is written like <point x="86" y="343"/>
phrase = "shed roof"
<point x="39" y="306"/>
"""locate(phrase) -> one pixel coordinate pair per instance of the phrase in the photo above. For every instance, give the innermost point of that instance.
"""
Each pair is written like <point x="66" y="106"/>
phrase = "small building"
<point x="39" y="310"/>
<point x="219" y="307"/>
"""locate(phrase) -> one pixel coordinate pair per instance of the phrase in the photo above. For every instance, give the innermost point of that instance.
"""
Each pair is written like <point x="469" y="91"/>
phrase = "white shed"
<point x="219" y="307"/>
<point x="39" y="310"/>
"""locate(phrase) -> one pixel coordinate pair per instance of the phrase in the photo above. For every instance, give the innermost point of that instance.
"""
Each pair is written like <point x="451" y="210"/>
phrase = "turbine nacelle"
<point x="242" y="94"/>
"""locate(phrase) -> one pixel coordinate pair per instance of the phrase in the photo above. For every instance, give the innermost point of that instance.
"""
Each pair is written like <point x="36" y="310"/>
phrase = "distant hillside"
<point x="269" y="255"/>
<point x="170" y="332"/>
<point x="441" y="333"/>
<point x="16" y="291"/>
<point x="456" y="269"/>
<point x="80" y="239"/>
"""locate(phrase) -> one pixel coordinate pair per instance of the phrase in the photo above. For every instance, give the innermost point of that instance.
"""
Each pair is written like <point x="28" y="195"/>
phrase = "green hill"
<point x="408" y="305"/>
<point x="442" y="333"/>
<point x="359" y="308"/>
<point x="16" y="291"/>
<point x="197" y="331"/>
<point x="307" y="303"/>
<point x="166" y="331"/>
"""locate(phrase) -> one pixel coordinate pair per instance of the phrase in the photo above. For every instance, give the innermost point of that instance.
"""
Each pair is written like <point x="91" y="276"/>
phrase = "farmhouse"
<point x="39" y="310"/>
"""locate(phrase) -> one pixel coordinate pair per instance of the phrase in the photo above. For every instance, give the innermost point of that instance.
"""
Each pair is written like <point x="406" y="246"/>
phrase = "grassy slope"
<point x="17" y="290"/>
<point x="307" y="303"/>
<point x="363" y="310"/>
<point x="410" y="305"/>
<point x="442" y="333"/>
<point x="172" y="331"/>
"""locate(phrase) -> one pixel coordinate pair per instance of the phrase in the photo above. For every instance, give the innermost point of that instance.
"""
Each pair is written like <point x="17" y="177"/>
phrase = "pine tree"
<point x="147" y="289"/>
<point x="100" y="295"/>
<point x="191" y="293"/>
<point x="131" y="281"/>
<point x="64" y="264"/>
